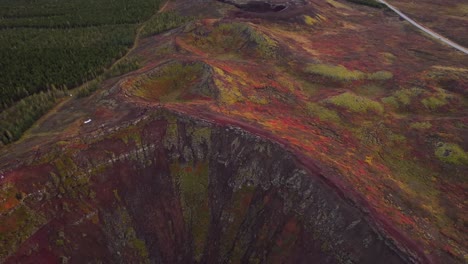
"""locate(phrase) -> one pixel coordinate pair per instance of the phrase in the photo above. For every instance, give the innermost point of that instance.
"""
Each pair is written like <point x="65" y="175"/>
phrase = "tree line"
<point x="49" y="46"/>
<point x="48" y="43"/>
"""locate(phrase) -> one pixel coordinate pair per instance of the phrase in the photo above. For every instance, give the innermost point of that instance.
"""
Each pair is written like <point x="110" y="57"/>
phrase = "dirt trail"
<point x="138" y="33"/>
<point x="27" y="133"/>
<point x="426" y="30"/>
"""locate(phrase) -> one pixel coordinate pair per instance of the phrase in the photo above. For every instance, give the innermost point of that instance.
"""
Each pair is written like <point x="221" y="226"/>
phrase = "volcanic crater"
<point x="172" y="189"/>
<point x="241" y="141"/>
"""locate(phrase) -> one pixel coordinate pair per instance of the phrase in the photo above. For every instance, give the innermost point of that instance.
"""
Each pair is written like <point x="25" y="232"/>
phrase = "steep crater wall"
<point x="175" y="190"/>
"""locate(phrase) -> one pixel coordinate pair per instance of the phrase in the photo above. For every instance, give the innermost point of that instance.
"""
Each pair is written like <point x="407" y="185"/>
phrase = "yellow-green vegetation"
<point x="433" y="103"/>
<point x="257" y="99"/>
<point x="322" y="113"/>
<point x="229" y="92"/>
<point x="380" y="75"/>
<point x="450" y="78"/>
<point x="338" y="4"/>
<point x="356" y="103"/>
<point x="341" y="73"/>
<point x="460" y="9"/>
<point x="192" y="181"/>
<point x="402" y="97"/>
<point x="436" y="100"/>
<point x="313" y="20"/>
<point x="120" y="225"/>
<point x="168" y="82"/>
<point x="421" y="125"/>
<point x="163" y="22"/>
<point x="68" y="182"/>
<point x="233" y="37"/>
<point x="451" y="153"/>
<point x="124" y="66"/>
<point x="372" y="133"/>
<point x="16" y="227"/>
<point x="337" y="72"/>
<point x="201" y="135"/>
<point x="417" y="182"/>
<point x="388" y="57"/>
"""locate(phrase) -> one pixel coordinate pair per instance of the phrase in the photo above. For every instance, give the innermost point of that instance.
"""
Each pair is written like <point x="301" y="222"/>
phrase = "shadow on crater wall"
<point x="177" y="190"/>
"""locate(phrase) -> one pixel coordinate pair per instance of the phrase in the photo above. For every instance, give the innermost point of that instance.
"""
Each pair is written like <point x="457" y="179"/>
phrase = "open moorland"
<point x="268" y="132"/>
<point x="449" y="18"/>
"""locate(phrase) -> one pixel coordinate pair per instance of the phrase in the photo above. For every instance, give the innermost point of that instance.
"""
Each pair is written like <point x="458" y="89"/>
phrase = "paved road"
<point x="428" y="31"/>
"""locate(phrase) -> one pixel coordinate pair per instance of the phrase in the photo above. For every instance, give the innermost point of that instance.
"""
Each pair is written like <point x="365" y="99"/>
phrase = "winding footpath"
<point x="73" y="91"/>
<point x="426" y="30"/>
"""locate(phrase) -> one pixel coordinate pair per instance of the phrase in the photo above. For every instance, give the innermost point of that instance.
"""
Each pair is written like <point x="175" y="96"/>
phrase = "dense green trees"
<point x="49" y="43"/>
<point x="15" y="120"/>
<point x="56" y="57"/>
<point x="163" y="22"/>
<point x="48" y="46"/>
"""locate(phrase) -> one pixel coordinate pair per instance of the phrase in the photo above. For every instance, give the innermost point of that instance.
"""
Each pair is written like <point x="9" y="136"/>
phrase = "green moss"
<point x="380" y="75"/>
<point x="125" y="139"/>
<point x="201" y="135"/>
<point x="168" y="82"/>
<point x="140" y="246"/>
<point x="451" y="153"/>
<point x="421" y="125"/>
<point x="231" y="38"/>
<point x="396" y="137"/>
<point x="356" y="103"/>
<point x="312" y="20"/>
<point x="18" y="226"/>
<point x="266" y="47"/>
<point x="229" y="92"/>
<point x="258" y="100"/>
<point x="192" y="181"/>
<point x="68" y="181"/>
<point x="65" y="166"/>
<point x="136" y="137"/>
<point x="322" y="113"/>
<point x="59" y="242"/>
<point x="341" y="73"/>
<point x="338" y="72"/>
<point x="402" y="97"/>
<point x="119" y="228"/>
<point x="433" y="102"/>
